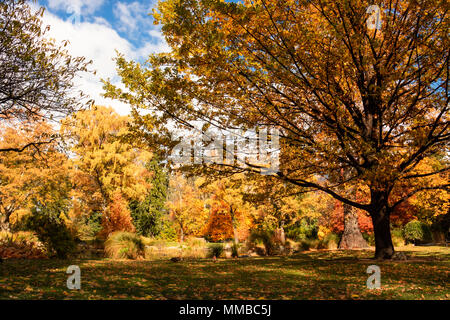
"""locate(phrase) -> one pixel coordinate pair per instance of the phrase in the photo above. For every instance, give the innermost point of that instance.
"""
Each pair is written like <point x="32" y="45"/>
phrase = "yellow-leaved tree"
<point x="231" y="216"/>
<point x="372" y="102"/>
<point x="187" y="206"/>
<point x="33" y="175"/>
<point x="105" y="165"/>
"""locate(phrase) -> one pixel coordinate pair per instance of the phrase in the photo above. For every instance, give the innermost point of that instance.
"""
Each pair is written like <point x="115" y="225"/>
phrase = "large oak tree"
<point x="371" y="102"/>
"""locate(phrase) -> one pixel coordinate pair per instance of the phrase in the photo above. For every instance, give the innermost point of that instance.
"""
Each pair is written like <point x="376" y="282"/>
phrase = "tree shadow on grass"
<point x="312" y="275"/>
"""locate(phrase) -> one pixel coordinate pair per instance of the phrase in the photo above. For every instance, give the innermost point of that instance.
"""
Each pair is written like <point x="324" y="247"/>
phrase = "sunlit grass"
<point x="312" y="275"/>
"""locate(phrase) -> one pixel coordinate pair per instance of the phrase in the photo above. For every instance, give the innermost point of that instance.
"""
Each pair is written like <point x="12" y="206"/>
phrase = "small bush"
<point x="168" y="231"/>
<point x="235" y="250"/>
<point x="306" y="228"/>
<point x="21" y="245"/>
<point x="147" y="241"/>
<point x="397" y="237"/>
<point x="265" y="237"/>
<point x="151" y="253"/>
<point x="288" y="247"/>
<point x="331" y="242"/>
<point x="51" y="230"/>
<point x="307" y="244"/>
<point x="417" y="232"/>
<point x="370" y="238"/>
<point x="260" y="251"/>
<point x="313" y="243"/>
<point x="216" y="250"/>
<point x="304" y="245"/>
<point x="196" y="242"/>
<point x="20" y="237"/>
<point x="89" y="227"/>
<point x="124" y="245"/>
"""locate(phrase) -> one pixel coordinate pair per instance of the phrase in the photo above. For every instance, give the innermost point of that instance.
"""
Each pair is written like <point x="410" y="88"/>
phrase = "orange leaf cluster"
<point x="117" y="217"/>
<point x="335" y="219"/>
<point x="15" y="252"/>
<point x="220" y="225"/>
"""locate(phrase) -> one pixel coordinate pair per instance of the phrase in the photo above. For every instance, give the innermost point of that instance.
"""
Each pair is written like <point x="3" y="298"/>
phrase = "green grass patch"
<point x="310" y="275"/>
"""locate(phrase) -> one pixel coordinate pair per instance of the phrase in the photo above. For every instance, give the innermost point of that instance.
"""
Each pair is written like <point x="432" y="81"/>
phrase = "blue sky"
<point x="96" y="28"/>
<point x="128" y="17"/>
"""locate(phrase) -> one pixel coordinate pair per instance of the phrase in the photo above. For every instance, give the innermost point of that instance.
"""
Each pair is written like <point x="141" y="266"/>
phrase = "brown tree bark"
<point x="234" y="224"/>
<point x="235" y="234"/>
<point x="384" y="249"/>
<point x="282" y="234"/>
<point x="4" y="221"/>
<point x="4" y="226"/>
<point x="181" y="233"/>
<point x="352" y="237"/>
<point x="380" y="214"/>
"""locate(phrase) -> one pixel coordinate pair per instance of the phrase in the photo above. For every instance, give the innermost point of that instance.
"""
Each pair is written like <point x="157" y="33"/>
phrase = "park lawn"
<point x="310" y="275"/>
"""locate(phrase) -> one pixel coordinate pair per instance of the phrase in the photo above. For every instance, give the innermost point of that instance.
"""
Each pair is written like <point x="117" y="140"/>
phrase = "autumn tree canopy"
<point x="36" y="75"/>
<point x="231" y="216"/>
<point x="187" y="206"/>
<point x="36" y="175"/>
<point x="104" y="163"/>
<point x="373" y="102"/>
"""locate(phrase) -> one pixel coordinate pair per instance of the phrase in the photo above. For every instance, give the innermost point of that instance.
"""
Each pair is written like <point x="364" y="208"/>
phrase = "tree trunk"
<point x="384" y="249"/>
<point x="282" y="234"/>
<point x="4" y="222"/>
<point x="234" y="224"/>
<point x="352" y="237"/>
<point x="181" y="234"/>
<point x="4" y="226"/>
<point x="235" y="234"/>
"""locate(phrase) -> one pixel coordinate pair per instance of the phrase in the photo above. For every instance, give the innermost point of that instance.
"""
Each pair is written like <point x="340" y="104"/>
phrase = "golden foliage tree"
<point x="278" y="204"/>
<point x="226" y="200"/>
<point x="187" y="206"/>
<point x="345" y="96"/>
<point x="104" y="161"/>
<point x="32" y="175"/>
<point x="220" y="225"/>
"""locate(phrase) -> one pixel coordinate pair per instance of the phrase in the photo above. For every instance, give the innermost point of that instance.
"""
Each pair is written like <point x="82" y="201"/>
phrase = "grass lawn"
<point x="309" y="275"/>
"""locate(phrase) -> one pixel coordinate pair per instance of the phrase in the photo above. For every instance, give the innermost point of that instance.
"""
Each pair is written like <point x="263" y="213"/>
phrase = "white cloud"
<point x="133" y="17"/>
<point x="97" y="41"/>
<point x="76" y="6"/>
<point x="102" y="21"/>
<point x="155" y="34"/>
<point x="149" y="48"/>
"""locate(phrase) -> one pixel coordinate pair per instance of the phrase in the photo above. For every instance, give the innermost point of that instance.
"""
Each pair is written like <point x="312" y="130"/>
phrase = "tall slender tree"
<point x="148" y="214"/>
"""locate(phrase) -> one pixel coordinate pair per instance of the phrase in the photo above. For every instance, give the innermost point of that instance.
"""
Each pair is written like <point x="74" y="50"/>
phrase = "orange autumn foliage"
<point x="117" y="217"/>
<point x="335" y="219"/>
<point x="220" y="225"/>
<point x="403" y="214"/>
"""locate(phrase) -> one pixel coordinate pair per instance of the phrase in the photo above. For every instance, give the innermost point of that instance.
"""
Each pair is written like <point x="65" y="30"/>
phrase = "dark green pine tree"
<point x="148" y="215"/>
